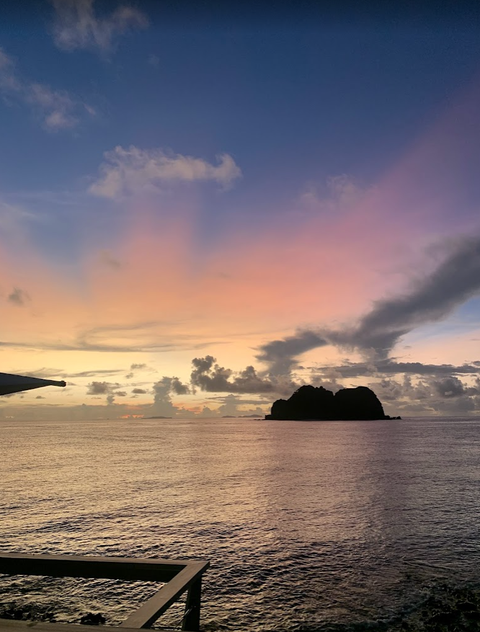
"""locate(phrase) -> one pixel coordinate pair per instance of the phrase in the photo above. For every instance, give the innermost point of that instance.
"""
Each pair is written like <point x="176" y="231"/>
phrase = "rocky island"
<point x="317" y="403"/>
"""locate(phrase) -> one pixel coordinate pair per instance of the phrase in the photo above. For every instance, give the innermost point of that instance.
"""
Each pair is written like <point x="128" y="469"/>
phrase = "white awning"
<point x="14" y="383"/>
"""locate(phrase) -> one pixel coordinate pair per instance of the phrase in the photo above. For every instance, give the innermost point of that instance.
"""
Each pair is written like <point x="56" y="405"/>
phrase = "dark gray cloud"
<point x="391" y="367"/>
<point x="139" y="391"/>
<point x="280" y="355"/>
<point x="177" y="387"/>
<point x="455" y="280"/>
<point x="99" y="388"/>
<point x="429" y="395"/>
<point x="230" y="407"/>
<point x="163" y="389"/>
<point x="211" y="377"/>
<point x="449" y="387"/>
<point x="106" y="388"/>
<point x="168" y="385"/>
<point x="18" y="297"/>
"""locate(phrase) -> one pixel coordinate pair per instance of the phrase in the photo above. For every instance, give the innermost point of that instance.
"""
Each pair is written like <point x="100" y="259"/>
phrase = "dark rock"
<point x="93" y="619"/>
<point x="316" y="403"/>
<point x="27" y="612"/>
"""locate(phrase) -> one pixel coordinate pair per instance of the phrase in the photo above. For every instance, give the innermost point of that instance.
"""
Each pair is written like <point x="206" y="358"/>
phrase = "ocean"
<point x="328" y="526"/>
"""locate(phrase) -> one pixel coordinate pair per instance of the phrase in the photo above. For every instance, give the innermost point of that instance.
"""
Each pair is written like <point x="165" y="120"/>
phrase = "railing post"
<point x="191" y="620"/>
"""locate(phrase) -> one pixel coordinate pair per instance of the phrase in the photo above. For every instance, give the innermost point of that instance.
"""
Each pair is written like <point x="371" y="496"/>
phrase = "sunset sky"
<point x="203" y="209"/>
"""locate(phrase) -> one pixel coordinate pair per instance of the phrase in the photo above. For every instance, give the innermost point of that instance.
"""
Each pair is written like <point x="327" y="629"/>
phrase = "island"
<point x="317" y="403"/>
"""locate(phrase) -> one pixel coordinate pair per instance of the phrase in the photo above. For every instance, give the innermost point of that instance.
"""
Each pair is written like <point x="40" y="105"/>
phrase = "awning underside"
<point x="10" y="383"/>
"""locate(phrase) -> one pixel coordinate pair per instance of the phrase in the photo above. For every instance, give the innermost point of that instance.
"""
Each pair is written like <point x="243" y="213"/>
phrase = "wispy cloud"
<point x="94" y="372"/>
<point x="130" y="170"/>
<point x="338" y="195"/>
<point x="57" y="109"/>
<point x="126" y="338"/>
<point x="18" y="297"/>
<point x="106" y="258"/>
<point x="77" y="26"/>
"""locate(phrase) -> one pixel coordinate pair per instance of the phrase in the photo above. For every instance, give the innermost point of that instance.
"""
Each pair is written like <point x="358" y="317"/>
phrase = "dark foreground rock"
<point x="92" y="618"/>
<point x="316" y="403"/>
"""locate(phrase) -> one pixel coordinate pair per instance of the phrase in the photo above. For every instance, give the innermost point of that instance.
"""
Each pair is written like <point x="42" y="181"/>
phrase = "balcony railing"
<point x="178" y="577"/>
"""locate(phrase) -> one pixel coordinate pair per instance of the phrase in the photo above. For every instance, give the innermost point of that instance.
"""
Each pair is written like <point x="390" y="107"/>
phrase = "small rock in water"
<point x="27" y="612"/>
<point x="93" y="619"/>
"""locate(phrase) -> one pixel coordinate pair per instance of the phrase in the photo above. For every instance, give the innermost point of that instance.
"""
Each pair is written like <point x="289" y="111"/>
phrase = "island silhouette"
<point x="317" y="403"/>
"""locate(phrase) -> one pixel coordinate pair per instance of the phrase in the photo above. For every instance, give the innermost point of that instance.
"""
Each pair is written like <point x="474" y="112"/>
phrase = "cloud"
<point x="428" y="395"/>
<point x="209" y="376"/>
<point x="12" y="216"/>
<point x="391" y="367"/>
<point x="106" y="388"/>
<point x="177" y="387"/>
<point x="430" y="299"/>
<point x="107" y="259"/>
<point x="8" y="78"/>
<point x="139" y="391"/>
<point x="137" y="367"/>
<point x="230" y="407"/>
<point x="280" y="355"/>
<point x="131" y="170"/>
<point x="206" y="412"/>
<point x="57" y="109"/>
<point x="43" y="372"/>
<point x="338" y="195"/>
<point x="99" y="388"/>
<point x="163" y="390"/>
<point x="449" y="387"/>
<point x="18" y="297"/>
<point x="124" y="338"/>
<point x="455" y="280"/>
<point x="94" y="372"/>
<point x="77" y="26"/>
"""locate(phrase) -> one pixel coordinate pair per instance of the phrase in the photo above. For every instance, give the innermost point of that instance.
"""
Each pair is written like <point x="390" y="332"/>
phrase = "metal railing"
<point x="178" y="577"/>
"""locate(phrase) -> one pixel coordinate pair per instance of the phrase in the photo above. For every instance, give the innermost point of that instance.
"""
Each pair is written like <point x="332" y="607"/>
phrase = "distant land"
<point x="319" y="404"/>
<point x="240" y="416"/>
<point x="158" y="417"/>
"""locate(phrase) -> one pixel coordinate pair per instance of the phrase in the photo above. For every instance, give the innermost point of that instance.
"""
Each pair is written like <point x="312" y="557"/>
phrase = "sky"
<point x="204" y="207"/>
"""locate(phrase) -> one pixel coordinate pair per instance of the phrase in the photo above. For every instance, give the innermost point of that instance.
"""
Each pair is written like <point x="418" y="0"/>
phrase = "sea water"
<point x="308" y="525"/>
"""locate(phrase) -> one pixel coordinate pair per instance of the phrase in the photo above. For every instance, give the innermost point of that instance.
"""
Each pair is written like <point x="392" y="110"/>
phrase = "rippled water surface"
<point x="307" y="525"/>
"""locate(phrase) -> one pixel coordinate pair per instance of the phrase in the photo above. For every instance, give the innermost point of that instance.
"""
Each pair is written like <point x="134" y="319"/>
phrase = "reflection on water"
<point x="306" y="524"/>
